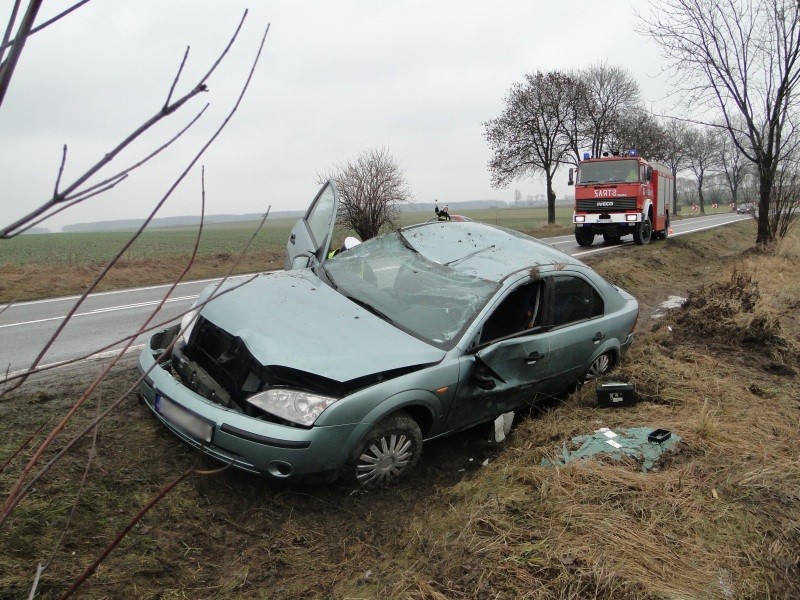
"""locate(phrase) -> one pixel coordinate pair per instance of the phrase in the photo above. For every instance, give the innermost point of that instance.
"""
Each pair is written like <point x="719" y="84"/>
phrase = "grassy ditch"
<point x="718" y="518"/>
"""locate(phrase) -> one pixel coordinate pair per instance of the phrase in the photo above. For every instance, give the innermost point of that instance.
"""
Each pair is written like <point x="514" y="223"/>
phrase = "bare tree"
<point x="742" y="58"/>
<point x="372" y="188"/>
<point x="731" y="161"/>
<point x="786" y="198"/>
<point x="527" y="139"/>
<point x="702" y="158"/>
<point x="637" y="128"/>
<point x="677" y="139"/>
<point x="576" y="130"/>
<point x="611" y="91"/>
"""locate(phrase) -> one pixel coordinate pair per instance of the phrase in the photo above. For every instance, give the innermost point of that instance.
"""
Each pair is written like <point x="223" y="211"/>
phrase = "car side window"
<point x="519" y="311"/>
<point x="574" y="299"/>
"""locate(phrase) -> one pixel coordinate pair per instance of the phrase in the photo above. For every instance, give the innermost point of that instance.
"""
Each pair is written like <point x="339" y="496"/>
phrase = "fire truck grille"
<point x="596" y="205"/>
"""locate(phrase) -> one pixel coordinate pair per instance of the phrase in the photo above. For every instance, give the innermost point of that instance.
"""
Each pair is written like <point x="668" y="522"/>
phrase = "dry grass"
<point x="718" y="518"/>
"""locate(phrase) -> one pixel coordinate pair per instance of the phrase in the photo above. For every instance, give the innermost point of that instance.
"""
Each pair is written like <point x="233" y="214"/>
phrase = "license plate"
<point x="604" y="219"/>
<point x="195" y="426"/>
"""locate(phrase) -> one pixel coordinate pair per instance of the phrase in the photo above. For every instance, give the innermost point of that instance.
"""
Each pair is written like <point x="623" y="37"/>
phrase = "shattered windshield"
<point x="433" y="302"/>
<point x="609" y="171"/>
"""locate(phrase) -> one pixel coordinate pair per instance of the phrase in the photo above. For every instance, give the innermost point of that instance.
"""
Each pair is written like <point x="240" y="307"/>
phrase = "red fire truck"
<point x="621" y="195"/>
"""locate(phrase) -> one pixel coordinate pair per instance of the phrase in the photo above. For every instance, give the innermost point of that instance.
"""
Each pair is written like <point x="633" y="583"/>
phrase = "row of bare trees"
<point x="736" y="59"/>
<point x="551" y="118"/>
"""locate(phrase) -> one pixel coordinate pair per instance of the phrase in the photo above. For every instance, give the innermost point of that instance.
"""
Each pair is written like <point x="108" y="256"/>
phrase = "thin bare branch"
<point x="9" y="28"/>
<point x="47" y="23"/>
<point x="67" y="447"/>
<point x="18" y="492"/>
<point x="177" y="77"/>
<point x="60" y="170"/>
<point x="21" y="447"/>
<point x="8" y="67"/>
<point x="10" y="230"/>
<point x="92" y="453"/>
<point x="138" y="517"/>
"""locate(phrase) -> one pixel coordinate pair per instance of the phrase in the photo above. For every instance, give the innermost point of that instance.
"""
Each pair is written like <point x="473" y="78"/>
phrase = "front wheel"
<point x="643" y="232"/>
<point x="584" y="236"/>
<point x="386" y="453"/>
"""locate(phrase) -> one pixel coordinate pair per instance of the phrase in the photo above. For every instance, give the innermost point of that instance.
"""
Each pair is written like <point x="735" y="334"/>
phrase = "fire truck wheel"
<point x="663" y="234"/>
<point x="584" y="237"/>
<point x="643" y="232"/>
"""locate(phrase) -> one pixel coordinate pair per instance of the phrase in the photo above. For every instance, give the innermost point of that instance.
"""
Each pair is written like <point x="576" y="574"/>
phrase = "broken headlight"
<point x="298" y="407"/>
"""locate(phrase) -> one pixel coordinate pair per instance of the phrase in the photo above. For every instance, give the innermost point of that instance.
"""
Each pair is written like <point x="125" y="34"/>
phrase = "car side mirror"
<point x="571" y="180"/>
<point x="484" y="380"/>
<point x="300" y="262"/>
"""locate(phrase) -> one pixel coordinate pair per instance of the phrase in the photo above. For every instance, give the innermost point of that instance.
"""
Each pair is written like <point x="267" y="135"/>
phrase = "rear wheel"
<point x="643" y="232"/>
<point x="386" y="453"/>
<point x="601" y="365"/>
<point x="610" y="239"/>
<point x="584" y="236"/>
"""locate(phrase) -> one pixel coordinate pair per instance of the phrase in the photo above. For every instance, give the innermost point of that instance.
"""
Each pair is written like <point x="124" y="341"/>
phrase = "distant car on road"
<point x="342" y="366"/>
<point x="744" y="209"/>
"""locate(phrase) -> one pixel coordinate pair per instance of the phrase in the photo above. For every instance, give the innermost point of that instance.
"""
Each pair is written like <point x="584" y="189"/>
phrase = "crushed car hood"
<point x="293" y="319"/>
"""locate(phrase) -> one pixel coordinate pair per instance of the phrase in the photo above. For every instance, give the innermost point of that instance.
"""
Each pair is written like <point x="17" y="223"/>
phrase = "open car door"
<point x="310" y="239"/>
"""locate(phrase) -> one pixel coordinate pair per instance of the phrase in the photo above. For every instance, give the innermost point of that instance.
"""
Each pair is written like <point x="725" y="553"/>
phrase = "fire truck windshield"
<point x="608" y="171"/>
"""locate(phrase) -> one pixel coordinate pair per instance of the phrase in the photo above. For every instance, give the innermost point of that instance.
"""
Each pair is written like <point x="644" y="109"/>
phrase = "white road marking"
<point x="97" y="311"/>
<point x="99" y="356"/>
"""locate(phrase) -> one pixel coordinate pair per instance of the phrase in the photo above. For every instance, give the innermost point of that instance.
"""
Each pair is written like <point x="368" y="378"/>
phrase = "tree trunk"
<point x="765" y="234"/>
<point x="700" y="197"/>
<point x="551" y="200"/>
<point x="675" y="192"/>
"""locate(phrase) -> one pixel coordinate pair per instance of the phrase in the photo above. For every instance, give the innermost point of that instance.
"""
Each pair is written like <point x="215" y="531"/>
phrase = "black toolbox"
<point x="611" y="395"/>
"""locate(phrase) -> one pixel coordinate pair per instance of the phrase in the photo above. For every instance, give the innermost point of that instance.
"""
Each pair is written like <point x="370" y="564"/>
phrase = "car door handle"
<point x="533" y="357"/>
<point x="598" y="336"/>
<point x="291" y="238"/>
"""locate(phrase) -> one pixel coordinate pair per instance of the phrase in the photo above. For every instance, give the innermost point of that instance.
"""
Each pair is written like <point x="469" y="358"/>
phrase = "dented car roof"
<point x="486" y="251"/>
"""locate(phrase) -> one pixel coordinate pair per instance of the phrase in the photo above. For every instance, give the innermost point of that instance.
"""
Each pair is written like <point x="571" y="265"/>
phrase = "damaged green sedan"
<point x="342" y="367"/>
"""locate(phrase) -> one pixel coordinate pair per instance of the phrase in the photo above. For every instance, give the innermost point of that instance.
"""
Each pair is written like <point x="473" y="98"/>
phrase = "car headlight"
<point x="298" y="407"/>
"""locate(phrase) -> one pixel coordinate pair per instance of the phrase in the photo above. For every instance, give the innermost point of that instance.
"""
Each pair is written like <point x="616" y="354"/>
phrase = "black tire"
<point x="610" y="239"/>
<point x="584" y="236"/>
<point x="643" y="232"/>
<point x="386" y="453"/>
<point x="600" y="366"/>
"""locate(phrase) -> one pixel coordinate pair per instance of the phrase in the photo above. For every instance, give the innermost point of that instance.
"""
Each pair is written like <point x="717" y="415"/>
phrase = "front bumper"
<point x="247" y="443"/>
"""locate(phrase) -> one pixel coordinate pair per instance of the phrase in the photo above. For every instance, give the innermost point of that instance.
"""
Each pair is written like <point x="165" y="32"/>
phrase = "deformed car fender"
<point x="424" y="406"/>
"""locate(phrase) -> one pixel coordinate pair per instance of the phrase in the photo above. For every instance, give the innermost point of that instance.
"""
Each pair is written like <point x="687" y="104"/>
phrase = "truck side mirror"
<point x="649" y="173"/>
<point x="571" y="179"/>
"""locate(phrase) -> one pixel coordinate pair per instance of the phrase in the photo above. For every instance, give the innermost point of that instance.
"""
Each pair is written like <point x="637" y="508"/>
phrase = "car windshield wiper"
<point x="452" y="262"/>
<point x="328" y="276"/>
<point x="406" y="243"/>
<point x="370" y="308"/>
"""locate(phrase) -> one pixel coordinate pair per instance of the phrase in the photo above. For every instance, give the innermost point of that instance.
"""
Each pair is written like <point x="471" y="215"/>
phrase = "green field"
<point x="228" y="239"/>
<point x="58" y="249"/>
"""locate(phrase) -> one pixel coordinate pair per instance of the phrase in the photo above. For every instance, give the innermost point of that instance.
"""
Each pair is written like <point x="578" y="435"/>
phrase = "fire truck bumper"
<point x="612" y="219"/>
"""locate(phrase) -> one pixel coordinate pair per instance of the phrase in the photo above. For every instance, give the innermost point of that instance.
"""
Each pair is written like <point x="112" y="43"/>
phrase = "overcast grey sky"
<point x="336" y="78"/>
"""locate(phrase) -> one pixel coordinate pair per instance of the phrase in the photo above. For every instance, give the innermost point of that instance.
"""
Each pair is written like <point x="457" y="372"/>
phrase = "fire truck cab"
<point x="621" y="195"/>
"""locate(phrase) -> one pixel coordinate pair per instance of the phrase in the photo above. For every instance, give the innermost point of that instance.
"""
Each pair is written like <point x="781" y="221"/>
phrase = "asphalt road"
<point x="106" y="318"/>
